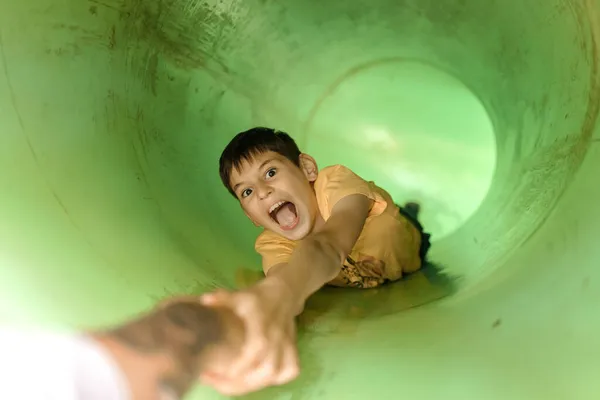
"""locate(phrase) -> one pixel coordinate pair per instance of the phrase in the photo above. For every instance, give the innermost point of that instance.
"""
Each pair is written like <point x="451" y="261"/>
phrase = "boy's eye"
<point x="271" y="173"/>
<point x="246" y="192"/>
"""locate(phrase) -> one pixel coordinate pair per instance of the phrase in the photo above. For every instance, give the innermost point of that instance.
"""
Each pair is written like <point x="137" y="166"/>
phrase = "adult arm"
<point x="159" y="355"/>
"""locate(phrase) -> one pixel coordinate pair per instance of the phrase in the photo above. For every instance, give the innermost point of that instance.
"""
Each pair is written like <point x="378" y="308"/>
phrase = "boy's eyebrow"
<point x="237" y="185"/>
<point x="265" y="163"/>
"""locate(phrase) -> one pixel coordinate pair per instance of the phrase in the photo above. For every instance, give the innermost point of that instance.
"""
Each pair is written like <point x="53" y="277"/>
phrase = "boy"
<point x="319" y="227"/>
<point x="291" y="207"/>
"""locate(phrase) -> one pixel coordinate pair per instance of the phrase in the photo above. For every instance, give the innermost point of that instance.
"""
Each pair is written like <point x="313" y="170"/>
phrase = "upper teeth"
<point x="274" y="206"/>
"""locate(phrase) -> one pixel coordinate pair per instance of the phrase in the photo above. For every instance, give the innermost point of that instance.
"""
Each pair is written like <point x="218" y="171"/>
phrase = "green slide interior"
<point x="113" y="114"/>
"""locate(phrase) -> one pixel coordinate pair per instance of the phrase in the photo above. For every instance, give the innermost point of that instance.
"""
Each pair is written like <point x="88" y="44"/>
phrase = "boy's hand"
<point x="268" y="356"/>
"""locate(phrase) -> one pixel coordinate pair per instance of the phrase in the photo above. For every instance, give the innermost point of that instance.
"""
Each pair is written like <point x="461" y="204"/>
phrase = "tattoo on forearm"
<point x="181" y="330"/>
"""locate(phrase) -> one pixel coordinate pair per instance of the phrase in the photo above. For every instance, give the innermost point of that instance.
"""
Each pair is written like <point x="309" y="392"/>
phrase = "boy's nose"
<point x="264" y="191"/>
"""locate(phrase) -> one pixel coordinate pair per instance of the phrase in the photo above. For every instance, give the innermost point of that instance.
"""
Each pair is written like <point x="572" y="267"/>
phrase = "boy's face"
<point x="278" y="195"/>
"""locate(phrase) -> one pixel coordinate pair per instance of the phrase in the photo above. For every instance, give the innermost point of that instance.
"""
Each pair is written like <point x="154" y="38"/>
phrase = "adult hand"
<point x="268" y="353"/>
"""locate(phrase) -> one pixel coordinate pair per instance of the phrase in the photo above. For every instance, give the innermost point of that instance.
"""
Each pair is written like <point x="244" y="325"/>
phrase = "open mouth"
<point x="285" y="214"/>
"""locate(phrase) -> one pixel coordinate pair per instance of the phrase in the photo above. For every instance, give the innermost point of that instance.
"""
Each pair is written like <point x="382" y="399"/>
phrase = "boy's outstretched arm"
<point x="319" y="257"/>
<point x="268" y="309"/>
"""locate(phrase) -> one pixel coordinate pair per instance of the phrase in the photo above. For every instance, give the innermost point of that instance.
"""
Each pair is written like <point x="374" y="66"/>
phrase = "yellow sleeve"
<point x="338" y="182"/>
<point x="273" y="249"/>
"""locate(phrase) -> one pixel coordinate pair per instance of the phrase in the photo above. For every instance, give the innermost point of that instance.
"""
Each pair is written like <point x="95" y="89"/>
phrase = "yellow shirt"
<point x="387" y="246"/>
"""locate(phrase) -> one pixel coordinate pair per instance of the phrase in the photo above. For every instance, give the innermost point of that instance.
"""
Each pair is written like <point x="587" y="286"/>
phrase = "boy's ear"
<point x="308" y="165"/>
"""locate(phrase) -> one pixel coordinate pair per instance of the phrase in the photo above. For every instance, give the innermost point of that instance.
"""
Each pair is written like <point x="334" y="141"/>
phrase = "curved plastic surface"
<point x="113" y="114"/>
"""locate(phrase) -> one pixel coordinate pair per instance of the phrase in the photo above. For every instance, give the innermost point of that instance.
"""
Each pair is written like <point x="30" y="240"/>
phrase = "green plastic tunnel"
<point x="113" y="114"/>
